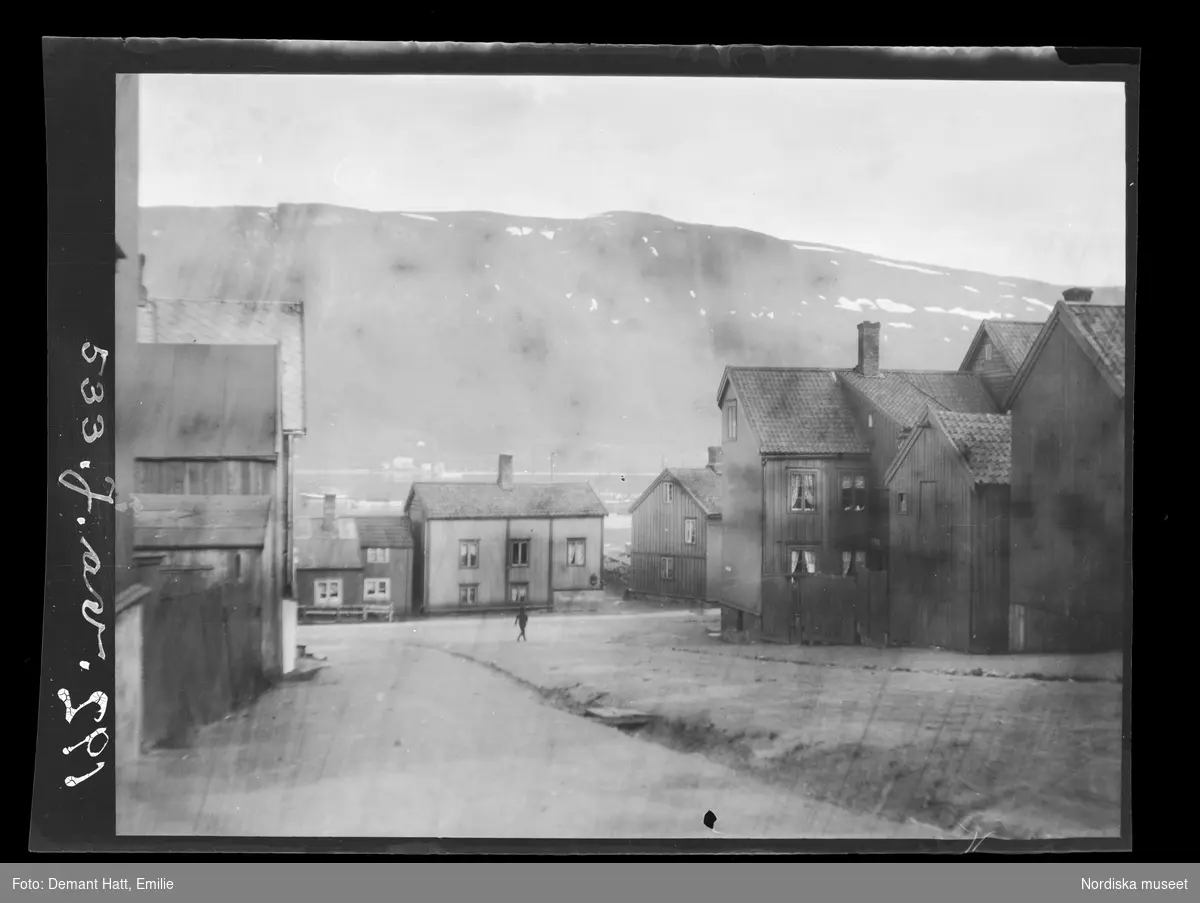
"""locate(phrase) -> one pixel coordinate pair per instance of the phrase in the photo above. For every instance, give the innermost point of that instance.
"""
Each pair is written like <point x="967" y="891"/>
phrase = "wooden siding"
<point x="445" y="576"/>
<point x="565" y="577"/>
<point x="398" y="569"/>
<point x="657" y="531"/>
<point x="990" y="563"/>
<point x="205" y="476"/>
<point x="351" y="586"/>
<point x="995" y="374"/>
<point x="712" y="561"/>
<point x="741" y="515"/>
<point x="884" y="437"/>
<point x="1069" y="565"/>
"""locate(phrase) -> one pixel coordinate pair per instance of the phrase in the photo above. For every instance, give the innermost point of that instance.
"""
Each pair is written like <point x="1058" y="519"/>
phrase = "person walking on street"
<point x="522" y="619"/>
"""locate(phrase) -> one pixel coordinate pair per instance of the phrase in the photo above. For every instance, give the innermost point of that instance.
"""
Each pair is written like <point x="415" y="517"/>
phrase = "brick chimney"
<point x="714" y="458"/>
<point x="504" y="476"/>
<point x="868" y="349"/>
<point x="1077" y="295"/>
<point x="329" y="514"/>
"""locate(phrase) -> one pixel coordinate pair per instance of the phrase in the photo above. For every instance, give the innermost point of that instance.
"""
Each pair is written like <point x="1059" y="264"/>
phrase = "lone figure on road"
<point x="522" y="619"/>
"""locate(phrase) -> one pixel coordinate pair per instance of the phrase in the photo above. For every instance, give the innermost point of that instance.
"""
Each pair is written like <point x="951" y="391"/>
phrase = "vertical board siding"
<point x="1068" y="561"/>
<point x="884" y="439"/>
<point x="995" y="374"/>
<point x="657" y="531"/>
<point x="741" y="515"/>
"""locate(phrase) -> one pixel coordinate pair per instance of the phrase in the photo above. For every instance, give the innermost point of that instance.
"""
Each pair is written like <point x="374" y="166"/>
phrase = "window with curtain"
<point x="802" y="561"/>
<point x="853" y="562"/>
<point x="802" y="492"/>
<point x="854" y="492"/>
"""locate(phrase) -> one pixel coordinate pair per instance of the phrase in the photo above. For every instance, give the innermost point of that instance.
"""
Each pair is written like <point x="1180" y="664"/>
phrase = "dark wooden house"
<point x="386" y="545"/>
<point x="505" y="544"/>
<point x="672" y="533"/>
<point x="265" y="323"/>
<point x="1071" y="556"/>
<point x="329" y="566"/>
<point x="997" y="352"/>
<point x="949" y="551"/>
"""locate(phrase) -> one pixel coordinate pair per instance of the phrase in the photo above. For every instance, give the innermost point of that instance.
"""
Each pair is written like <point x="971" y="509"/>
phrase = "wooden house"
<point x="505" y="544"/>
<point x="204" y="421"/>
<point x="220" y="322"/>
<point x="673" y="533"/>
<point x="949" y="551"/>
<point x="329" y="566"/>
<point x="887" y="404"/>
<point x="997" y="352"/>
<point x="1070" y="557"/>
<point x="386" y="546"/>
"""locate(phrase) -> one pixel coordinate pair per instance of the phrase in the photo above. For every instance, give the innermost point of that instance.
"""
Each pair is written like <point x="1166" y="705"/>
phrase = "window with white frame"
<point x="377" y="589"/>
<point x="731" y="423"/>
<point x="519" y="553"/>
<point x="668" y="491"/>
<point x="327" y="593"/>
<point x="468" y="553"/>
<point x="468" y="593"/>
<point x="667" y="569"/>
<point x="689" y="531"/>
<point x="379" y="556"/>
<point x="577" y="552"/>
<point x="802" y="561"/>
<point x="987" y="351"/>
<point x="802" y="491"/>
<point x="518" y="593"/>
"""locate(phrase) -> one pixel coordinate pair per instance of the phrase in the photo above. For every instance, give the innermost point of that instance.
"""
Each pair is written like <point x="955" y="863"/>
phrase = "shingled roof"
<point x="983" y="443"/>
<point x="795" y="410"/>
<point x="470" y="501"/>
<point x="702" y="483"/>
<point x="381" y="532"/>
<point x="1100" y="331"/>
<point x="208" y="322"/>
<point x="904" y="395"/>
<point x="1012" y="338"/>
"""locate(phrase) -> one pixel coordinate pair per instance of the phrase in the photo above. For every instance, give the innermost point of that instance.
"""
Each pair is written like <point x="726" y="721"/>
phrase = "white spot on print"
<point x="654" y="250"/>
<point x="944" y="339"/>
<point x="432" y="219"/>
<point x="645" y="239"/>
<point x="616" y="322"/>
<point x="703" y="313"/>
<point x="971" y="289"/>
<point x="80" y="521"/>
<point x="85" y="666"/>
<point x="770" y="315"/>
<point x="84" y="465"/>
<point x="815" y="248"/>
<point x="594" y="306"/>
<point x="692" y="292"/>
<point x="647" y="300"/>
<point x="548" y="233"/>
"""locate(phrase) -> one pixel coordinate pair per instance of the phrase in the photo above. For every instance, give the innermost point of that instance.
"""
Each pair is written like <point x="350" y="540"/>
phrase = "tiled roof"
<point x="453" y="501"/>
<point x="318" y="550"/>
<point x="179" y="322"/>
<point x="1013" y="338"/>
<point x="984" y="441"/>
<point x="796" y="411"/>
<point x="1103" y="326"/>
<point x="904" y="395"/>
<point x="701" y="483"/>
<point x="200" y="521"/>
<point x="384" y="532"/>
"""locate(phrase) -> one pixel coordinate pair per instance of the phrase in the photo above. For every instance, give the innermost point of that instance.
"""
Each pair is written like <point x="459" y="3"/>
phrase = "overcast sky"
<point x="1019" y="179"/>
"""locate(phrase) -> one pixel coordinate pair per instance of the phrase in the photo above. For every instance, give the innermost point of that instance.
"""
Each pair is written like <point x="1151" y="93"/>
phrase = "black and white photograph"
<point x="620" y="457"/>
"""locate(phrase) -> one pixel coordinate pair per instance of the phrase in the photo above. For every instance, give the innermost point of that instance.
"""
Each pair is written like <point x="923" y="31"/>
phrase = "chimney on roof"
<point x="1077" y="295"/>
<point x="504" y="476"/>
<point x="329" y="513"/>
<point x="714" y="458"/>
<point x="868" y="348"/>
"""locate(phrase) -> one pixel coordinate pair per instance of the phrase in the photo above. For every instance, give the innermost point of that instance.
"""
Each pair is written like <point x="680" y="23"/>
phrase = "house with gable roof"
<point x="997" y="352"/>
<point x="675" y="538"/>
<point x="948" y="569"/>
<point x="1071" y="545"/>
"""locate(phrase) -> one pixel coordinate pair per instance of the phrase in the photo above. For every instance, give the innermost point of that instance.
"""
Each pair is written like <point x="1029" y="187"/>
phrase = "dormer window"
<point x="987" y="351"/>
<point x="870" y="421"/>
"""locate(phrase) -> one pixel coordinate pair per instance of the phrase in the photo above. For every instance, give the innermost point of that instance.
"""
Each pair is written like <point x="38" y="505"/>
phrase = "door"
<point x="801" y="563"/>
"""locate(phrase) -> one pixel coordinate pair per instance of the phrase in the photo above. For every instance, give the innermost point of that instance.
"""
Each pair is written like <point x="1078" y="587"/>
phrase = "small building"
<point x="949" y="550"/>
<point x="329" y="566"/>
<point x="386" y="546"/>
<point x="1070" y="559"/>
<point x="997" y="352"/>
<point x="673" y="535"/>
<point x="503" y="544"/>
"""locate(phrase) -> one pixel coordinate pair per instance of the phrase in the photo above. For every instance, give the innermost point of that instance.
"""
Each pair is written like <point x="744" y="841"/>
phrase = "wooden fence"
<point x="202" y="653"/>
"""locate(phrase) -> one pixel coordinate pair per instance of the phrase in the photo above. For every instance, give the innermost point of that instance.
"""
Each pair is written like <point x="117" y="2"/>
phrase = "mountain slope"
<point x="602" y="338"/>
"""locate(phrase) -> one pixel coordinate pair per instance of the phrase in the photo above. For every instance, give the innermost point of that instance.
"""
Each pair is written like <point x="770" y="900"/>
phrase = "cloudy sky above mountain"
<point x="1023" y="179"/>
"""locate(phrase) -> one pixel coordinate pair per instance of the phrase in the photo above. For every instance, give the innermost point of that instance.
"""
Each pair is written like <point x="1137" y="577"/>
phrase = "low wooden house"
<point x="505" y="544"/>
<point x="329" y="567"/>
<point x="673" y="533"/>
<point x="386" y="546"/>
<point x="997" y="352"/>
<point x="1071" y="554"/>
<point x="264" y="323"/>
<point x="949" y="551"/>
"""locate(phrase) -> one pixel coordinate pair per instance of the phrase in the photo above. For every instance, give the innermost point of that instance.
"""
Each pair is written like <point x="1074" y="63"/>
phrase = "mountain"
<point x="453" y="336"/>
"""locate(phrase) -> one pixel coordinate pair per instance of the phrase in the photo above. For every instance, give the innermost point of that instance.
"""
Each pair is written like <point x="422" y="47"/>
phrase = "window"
<point x="987" y="351"/>
<point x="853" y="562"/>
<point x="802" y="492"/>
<point x="731" y="421"/>
<point x="377" y="589"/>
<point x="667" y="569"/>
<point x="854" y="492"/>
<point x="689" y="531"/>
<point x="802" y="561"/>
<point x="870" y="421"/>
<point x="518" y="593"/>
<point x="328" y="592"/>
<point x="468" y="593"/>
<point x="519" y="556"/>
<point x="468" y="553"/>
<point x="378" y="556"/>
<point x="668" y="491"/>
<point x="577" y="552"/>
<point x="902" y="502"/>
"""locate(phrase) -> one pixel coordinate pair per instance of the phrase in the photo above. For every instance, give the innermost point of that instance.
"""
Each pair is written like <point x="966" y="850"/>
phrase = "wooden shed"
<point x="329" y="566"/>
<point x="673" y="533"/>
<point x="949" y="557"/>
<point x="386" y="544"/>
<point x="1071" y="554"/>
